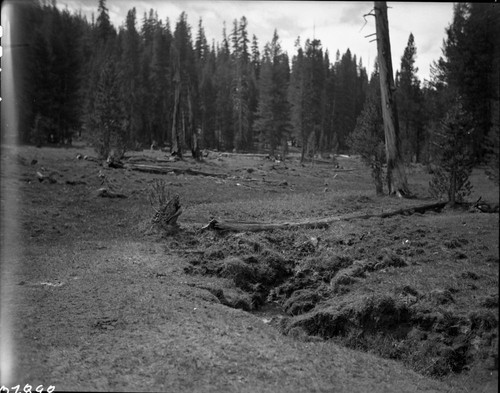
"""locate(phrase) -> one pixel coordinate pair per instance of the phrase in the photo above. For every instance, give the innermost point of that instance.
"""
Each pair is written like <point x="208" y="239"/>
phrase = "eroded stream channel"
<point x="355" y="290"/>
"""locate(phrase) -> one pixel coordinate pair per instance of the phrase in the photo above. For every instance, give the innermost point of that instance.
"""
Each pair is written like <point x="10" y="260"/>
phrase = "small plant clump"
<point x="453" y="155"/>
<point x="167" y="208"/>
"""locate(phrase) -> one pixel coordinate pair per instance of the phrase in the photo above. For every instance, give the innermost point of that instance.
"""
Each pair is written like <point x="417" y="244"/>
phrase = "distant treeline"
<point x="150" y="82"/>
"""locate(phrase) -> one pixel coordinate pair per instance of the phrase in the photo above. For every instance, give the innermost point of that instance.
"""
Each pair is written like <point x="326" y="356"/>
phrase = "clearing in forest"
<point x="101" y="301"/>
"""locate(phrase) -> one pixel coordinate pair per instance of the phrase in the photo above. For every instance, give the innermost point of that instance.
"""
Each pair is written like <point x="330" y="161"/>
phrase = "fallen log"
<point x="105" y="193"/>
<point x="41" y="177"/>
<point x="157" y="169"/>
<point x="249" y="155"/>
<point x="142" y="158"/>
<point x="241" y="226"/>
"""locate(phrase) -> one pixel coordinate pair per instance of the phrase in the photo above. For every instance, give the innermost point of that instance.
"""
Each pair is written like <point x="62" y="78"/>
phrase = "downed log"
<point x="249" y="155"/>
<point x="157" y="169"/>
<point x="75" y="182"/>
<point x="90" y="158"/>
<point x="41" y="177"/>
<point x="105" y="193"/>
<point x="141" y="158"/>
<point x="112" y="162"/>
<point x="486" y="207"/>
<point x="241" y="226"/>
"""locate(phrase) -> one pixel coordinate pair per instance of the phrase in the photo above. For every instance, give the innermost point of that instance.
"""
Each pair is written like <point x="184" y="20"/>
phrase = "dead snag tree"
<point x="396" y="176"/>
<point x="176" y="149"/>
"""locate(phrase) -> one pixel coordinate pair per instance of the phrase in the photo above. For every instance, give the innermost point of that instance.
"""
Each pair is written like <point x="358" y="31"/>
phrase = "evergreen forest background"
<point x="156" y="82"/>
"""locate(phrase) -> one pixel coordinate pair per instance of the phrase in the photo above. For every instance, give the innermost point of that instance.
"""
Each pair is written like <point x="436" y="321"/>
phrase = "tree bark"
<point x="396" y="175"/>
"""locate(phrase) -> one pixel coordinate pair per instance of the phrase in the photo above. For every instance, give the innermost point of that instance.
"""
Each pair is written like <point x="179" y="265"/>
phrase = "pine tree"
<point x="241" y="85"/>
<point x="255" y="60"/>
<point x="453" y="155"/>
<point x="130" y="89"/>
<point x="367" y="139"/>
<point x="296" y="98"/>
<point x="56" y="62"/>
<point x="101" y="54"/>
<point x="253" y="93"/>
<point x="104" y="28"/>
<point x="345" y="99"/>
<point x="160" y="84"/>
<point x="208" y="98"/>
<point x="108" y="128"/>
<point x="308" y="96"/>
<point x="273" y="111"/>
<point x="205" y="60"/>
<point x="469" y="66"/>
<point x="409" y="103"/>
<point x="314" y="95"/>
<point x="331" y="142"/>
<point x="224" y="114"/>
<point x="43" y="82"/>
<point x="185" y="86"/>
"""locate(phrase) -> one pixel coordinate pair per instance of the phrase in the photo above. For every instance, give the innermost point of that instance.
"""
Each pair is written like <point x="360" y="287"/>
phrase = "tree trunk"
<point x="396" y="176"/>
<point x="453" y="187"/>
<point x="176" y="148"/>
<point x="177" y="114"/>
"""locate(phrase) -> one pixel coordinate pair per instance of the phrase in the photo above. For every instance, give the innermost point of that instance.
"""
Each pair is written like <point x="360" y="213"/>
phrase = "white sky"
<point x="338" y="24"/>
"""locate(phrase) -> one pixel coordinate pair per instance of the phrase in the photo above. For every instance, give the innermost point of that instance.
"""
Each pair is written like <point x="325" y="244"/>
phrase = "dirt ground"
<point x="97" y="300"/>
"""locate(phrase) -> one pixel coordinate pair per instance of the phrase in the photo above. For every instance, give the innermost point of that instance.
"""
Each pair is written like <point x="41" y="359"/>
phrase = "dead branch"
<point x="239" y="226"/>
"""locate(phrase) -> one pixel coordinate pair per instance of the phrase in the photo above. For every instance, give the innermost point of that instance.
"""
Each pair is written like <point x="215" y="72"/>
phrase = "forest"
<point x="156" y="83"/>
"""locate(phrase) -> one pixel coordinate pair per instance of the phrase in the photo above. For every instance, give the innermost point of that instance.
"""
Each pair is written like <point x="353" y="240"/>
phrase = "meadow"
<point x="103" y="302"/>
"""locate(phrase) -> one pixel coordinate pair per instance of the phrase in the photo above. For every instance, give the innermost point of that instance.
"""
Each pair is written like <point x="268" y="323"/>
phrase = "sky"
<point x="338" y="24"/>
